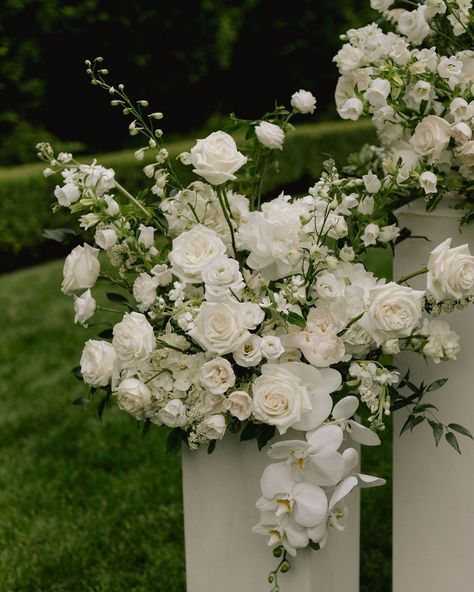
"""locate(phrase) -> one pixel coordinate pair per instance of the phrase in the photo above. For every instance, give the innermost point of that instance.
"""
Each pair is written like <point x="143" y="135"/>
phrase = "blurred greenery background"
<point x="90" y="507"/>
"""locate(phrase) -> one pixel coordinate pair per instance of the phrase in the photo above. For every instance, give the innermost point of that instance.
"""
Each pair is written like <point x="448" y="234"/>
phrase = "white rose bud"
<point x="271" y="347"/>
<point x="84" y="307"/>
<point x="216" y="158"/>
<point x="239" y="404"/>
<point x="303" y="101"/>
<point x="431" y="137"/>
<point x="97" y="362"/>
<point x="105" y="238"/>
<point x="270" y="135"/>
<point x="67" y="194"/>
<point x="428" y="182"/>
<point x="214" y="426"/>
<point x="81" y="269"/>
<point x="217" y="376"/>
<point x="134" y="397"/>
<point x="173" y="414"/>
<point x="133" y="339"/>
<point x="450" y="272"/>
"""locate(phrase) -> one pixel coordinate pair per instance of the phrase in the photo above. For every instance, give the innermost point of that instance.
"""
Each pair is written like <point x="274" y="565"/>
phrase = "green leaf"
<point x="146" y="428"/>
<point x="419" y="419"/>
<point x="437" y="384"/>
<point x="453" y="441"/>
<point x="314" y="546"/>
<point x="460" y="430"/>
<point x="423" y="407"/>
<point x="118" y="298"/>
<point x="249" y="432"/>
<point x="81" y="401"/>
<point x="266" y="434"/>
<point x="296" y="319"/>
<point x="437" y="430"/>
<point x="60" y="235"/>
<point x="106" y="334"/>
<point x="173" y="441"/>
<point x="407" y="425"/>
<point x="211" y="447"/>
<point x="101" y="407"/>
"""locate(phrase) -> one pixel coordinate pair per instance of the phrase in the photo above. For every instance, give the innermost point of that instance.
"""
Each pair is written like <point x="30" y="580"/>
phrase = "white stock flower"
<point x="303" y="101"/>
<point x="134" y="397"/>
<point x="249" y="353"/>
<point x="173" y="414"/>
<point x="442" y="343"/>
<point x="81" y="269"/>
<point x="133" y="339"/>
<point x="450" y="272"/>
<point x="97" y="362"/>
<point x="144" y="291"/>
<point x="428" y="182"/>
<point x="431" y="137"/>
<point x="239" y="404"/>
<point x="214" y="426"/>
<point x="84" y="307"/>
<point x="351" y="109"/>
<point x="192" y="251"/>
<point x="216" y="158"/>
<point x="222" y="278"/>
<point x="105" y="238"/>
<point x="378" y="92"/>
<point x="67" y="194"/>
<point x="217" y="376"/>
<point x="271" y="347"/>
<point x="270" y="135"/>
<point x="392" y="311"/>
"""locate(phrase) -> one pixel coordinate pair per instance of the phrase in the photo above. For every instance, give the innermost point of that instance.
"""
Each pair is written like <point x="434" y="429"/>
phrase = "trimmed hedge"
<point x="26" y="196"/>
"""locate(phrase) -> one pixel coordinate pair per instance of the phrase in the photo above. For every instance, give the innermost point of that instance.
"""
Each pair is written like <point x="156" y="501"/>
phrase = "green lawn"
<point x="91" y="507"/>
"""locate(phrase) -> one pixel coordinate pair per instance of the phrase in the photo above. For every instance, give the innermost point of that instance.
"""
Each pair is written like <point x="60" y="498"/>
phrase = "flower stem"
<point x="225" y="207"/>
<point x="405" y="278"/>
<point x="135" y="201"/>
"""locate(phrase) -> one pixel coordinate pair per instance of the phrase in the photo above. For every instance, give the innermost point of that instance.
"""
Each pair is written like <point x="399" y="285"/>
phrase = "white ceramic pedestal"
<point x="433" y="489"/>
<point x="224" y="555"/>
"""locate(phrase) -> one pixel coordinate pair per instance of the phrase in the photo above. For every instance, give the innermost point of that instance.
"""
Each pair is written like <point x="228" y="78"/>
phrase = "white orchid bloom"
<point x="282" y="531"/>
<point x="342" y="413"/>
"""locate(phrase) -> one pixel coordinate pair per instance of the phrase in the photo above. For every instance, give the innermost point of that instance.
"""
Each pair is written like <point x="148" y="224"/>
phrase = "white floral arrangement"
<point x="255" y="317"/>
<point x="413" y="74"/>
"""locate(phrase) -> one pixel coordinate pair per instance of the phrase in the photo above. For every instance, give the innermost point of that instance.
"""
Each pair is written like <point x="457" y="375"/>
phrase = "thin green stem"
<point x="405" y="278"/>
<point x="222" y="201"/>
<point x="120" y="312"/>
<point x="135" y="201"/>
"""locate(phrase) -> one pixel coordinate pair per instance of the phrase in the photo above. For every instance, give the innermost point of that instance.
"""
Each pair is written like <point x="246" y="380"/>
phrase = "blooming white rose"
<point x="271" y="347"/>
<point x="214" y="426"/>
<point x="378" y="92"/>
<point x="303" y="101"/>
<point x="431" y="137"/>
<point x="329" y="287"/>
<point x="81" y="269"/>
<point x="252" y="315"/>
<point x="442" y="343"/>
<point x="134" y="397"/>
<point x="351" y="109"/>
<point x="173" y="414"/>
<point x="270" y="135"/>
<point x="133" y="339"/>
<point x="450" y="272"/>
<point x="217" y="376"/>
<point x="222" y="277"/>
<point x="216" y="158"/>
<point x="105" y="238"/>
<point x="249" y="353"/>
<point x="97" y="362"/>
<point x="321" y="349"/>
<point x="393" y="311"/>
<point x="193" y="250"/>
<point x="144" y="290"/>
<point x="67" y="194"/>
<point x="219" y="327"/>
<point x="146" y="238"/>
<point x="84" y="307"/>
<point x="239" y="404"/>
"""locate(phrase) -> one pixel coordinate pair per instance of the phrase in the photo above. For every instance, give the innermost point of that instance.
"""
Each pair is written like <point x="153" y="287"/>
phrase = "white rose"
<point x="252" y="315"/>
<point x="372" y="182"/>
<point x="173" y="414"/>
<point x="133" y="339"/>
<point x="428" y="182"/>
<point x="222" y="277"/>
<point x="144" y="291"/>
<point x="217" y="376"/>
<point x="105" y="238"/>
<point x="216" y="158"/>
<point x="351" y="109"/>
<point x="413" y="25"/>
<point x="81" y="269"/>
<point x="214" y="426"/>
<point x="431" y="137"/>
<point x="192" y="251"/>
<point x="388" y="233"/>
<point x="134" y="397"/>
<point x="461" y="132"/>
<point x="391" y="347"/>
<point x="97" y="362"/>
<point x="84" y="307"/>
<point x="303" y="101"/>
<point x="442" y="343"/>
<point x="249" y="353"/>
<point x="219" y="327"/>
<point x="371" y="233"/>
<point x="393" y="311"/>
<point x="378" y="92"/>
<point x="271" y="347"/>
<point x="146" y="238"/>
<point x="321" y="349"/>
<point x="239" y="404"/>
<point x="329" y="287"/>
<point x="450" y="272"/>
<point x="270" y="135"/>
<point x="67" y="194"/>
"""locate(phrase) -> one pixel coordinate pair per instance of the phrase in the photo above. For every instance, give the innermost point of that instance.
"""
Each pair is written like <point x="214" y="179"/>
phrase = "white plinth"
<point x="434" y="488"/>
<point x="223" y="555"/>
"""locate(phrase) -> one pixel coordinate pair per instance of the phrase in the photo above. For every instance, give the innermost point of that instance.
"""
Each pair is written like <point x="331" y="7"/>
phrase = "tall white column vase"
<point x="433" y="509"/>
<point x="224" y="555"/>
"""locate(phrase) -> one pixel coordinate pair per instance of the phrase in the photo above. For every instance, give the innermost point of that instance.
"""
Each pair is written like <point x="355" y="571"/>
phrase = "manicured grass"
<point x="91" y="507"/>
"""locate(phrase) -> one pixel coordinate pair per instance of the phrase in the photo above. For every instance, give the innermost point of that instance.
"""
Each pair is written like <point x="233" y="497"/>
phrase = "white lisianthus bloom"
<point x="216" y="158"/>
<point x="442" y="343"/>
<point x="378" y="92"/>
<point x="146" y="238"/>
<point x="84" y="307"/>
<point x="249" y="353"/>
<point x="97" y="362"/>
<point x="413" y="25"/>
<point x="372" y="182"/>
<point x="222" y="278"/>
<point x="134" y="397"/>
<point x="144" y="291"/>
<point x="270" y="135"/>
<point x="371" y="233"/>
<point x="351" y="109"/>
<point x="219" y="327"/>
<point x="392" y="311"/>
<point x="217" y="376"/>
<point x="68" y="194"/>
<point x="239" y="404"/>
<point x="105" y="238"/>
<point x="271" y="347"/>
<point x="450" y="272"/>
<point x="431" y="137"/>
<point x="81" y="269"/>
<point x="173" y="414"/>
<point x="192" y="251"/>
<point x="303" y="101"/>
<point x="133" y="339"/>
<point x="388" y="233"/>
<point x="428" y="182"/>
<point x="214" y="426"/>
